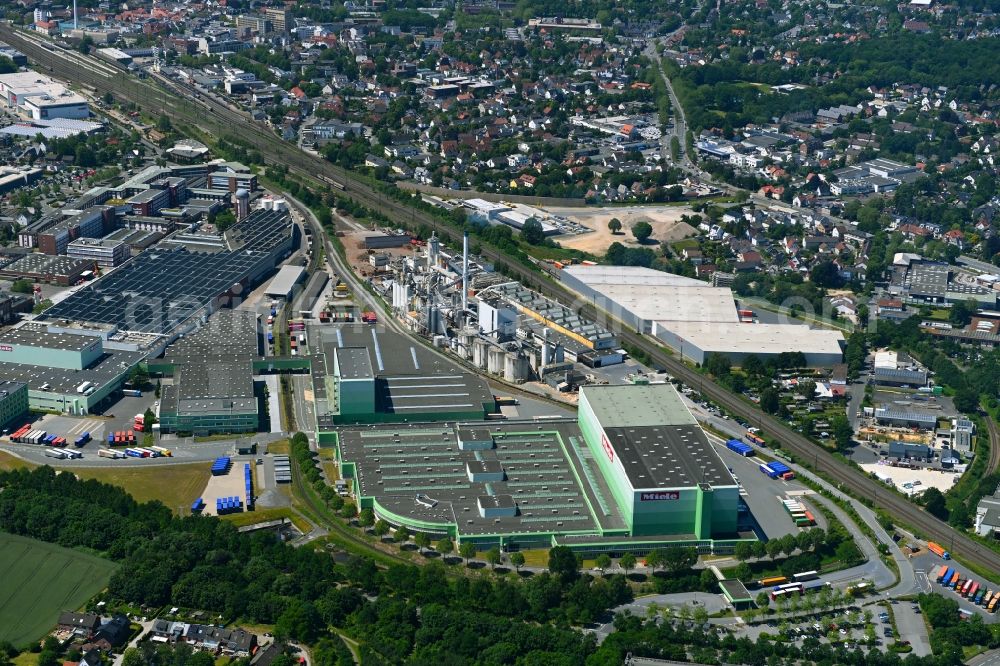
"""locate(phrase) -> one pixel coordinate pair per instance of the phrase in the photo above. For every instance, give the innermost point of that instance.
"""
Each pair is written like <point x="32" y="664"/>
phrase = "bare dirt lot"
<point x="665" y="221"/>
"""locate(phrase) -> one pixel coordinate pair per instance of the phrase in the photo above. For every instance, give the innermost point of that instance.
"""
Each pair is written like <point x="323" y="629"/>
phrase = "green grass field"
<point x="42" y="580"/>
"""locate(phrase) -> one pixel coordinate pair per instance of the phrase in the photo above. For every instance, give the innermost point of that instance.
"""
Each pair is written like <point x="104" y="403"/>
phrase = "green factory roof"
<point x="634" y="405"/>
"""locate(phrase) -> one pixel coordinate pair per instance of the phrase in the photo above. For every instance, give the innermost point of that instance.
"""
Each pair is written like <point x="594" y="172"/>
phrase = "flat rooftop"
<point x="674" y="302"/>
<point x="109" y="366"/>
<point x="757" y="338"/>
<point x="161" y="288"/>
<point x="354" y="363"/>
<point x="638" y="405"/>
<point x="680" y="456"/>
<point x="213" y="371"/>
<point x="409" y="378"/>
<point x="37" y="335"/>
<point x="282" y="283"/>
<point x="418" y="471"/>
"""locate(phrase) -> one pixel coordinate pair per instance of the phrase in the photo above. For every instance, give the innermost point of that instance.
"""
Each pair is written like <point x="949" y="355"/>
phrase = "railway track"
<point x="994" y="461"/>
<point x="219" y="119"/>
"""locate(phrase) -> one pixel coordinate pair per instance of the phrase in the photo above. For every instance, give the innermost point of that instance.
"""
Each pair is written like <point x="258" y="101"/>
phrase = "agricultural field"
<point x="42" y="580"/>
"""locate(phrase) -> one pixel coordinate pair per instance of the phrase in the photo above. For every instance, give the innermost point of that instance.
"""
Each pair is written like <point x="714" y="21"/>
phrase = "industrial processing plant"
<point x="634" y="471"/>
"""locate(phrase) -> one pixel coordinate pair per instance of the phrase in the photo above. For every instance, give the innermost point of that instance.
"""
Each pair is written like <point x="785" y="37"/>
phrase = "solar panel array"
<point x="160" y="289"/>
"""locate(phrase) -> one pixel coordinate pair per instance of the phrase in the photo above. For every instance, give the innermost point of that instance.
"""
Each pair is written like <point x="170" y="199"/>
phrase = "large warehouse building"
<point x="69" y="371"/>
<point x="212" y="390"/>
<point x="634" y="472"/>
<point x="694" y="318"/>
<point x="664" y="474"/>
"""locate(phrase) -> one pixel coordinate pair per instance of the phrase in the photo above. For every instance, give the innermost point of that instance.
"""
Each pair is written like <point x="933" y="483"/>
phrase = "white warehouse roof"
<point x="693" y="317"/>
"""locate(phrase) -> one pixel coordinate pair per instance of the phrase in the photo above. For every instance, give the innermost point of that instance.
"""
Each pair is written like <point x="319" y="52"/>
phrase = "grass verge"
<point x="177" y="486"/>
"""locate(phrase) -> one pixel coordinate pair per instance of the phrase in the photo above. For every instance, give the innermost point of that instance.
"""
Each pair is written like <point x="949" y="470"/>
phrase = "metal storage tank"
<point x="480" y="349"/>
<point x="517" y="367"/>
<point x="466" y="337"/>
<point x="495" y="361"/>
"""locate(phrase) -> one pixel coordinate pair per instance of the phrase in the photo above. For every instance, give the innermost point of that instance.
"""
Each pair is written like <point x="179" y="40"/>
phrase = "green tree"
<point x="366" y="518"/>
<point x="679" y="558"/>
<point x="22" y="286"/>
<point x="627" y="562"/>
<point x="349" y="510"/>
<point x="300" y="621"/>
<point x="467" y="550"/>
<point x="517" y="559"/>
<point x="148" y="420"/>
<point x="108" y="98"/>
<point x="642" y="231"/>
<point x="615" y="225"/>
<point x="224" y="220"/>
<point x="655" y="559"/>
<point x="718" y="365"/>
<point x="381" y="528"/>
<point x="603" y="561"/>
<point x="675" y="149"/>
<point x="423" y="541"/>
<point x="762" y="600"/>
<point x="849" y="554"/>
<point x="532" y="232"/>
<point x="402" y="534"/>
<point x="445" y="546"/>
<point x="770" y="400"/>
<point x="842" y="431"/>
<point x="132" y="657"/>
<point x="84" y="156"/>
<point x="163" y="124"/>
<point x="934" y="501"/>
<point x="563" y="563"/>
<point x="743" y="550"/>
<point x="494" y="557"/>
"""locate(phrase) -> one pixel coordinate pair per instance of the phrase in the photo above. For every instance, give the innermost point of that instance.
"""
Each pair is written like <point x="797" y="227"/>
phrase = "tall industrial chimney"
<point x="465" y="274"/>
<point x="76" y="24"/>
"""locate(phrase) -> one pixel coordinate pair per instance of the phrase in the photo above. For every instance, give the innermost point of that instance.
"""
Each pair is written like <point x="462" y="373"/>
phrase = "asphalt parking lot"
<point x="927" y="565"/>
<point x="762" y="494"/>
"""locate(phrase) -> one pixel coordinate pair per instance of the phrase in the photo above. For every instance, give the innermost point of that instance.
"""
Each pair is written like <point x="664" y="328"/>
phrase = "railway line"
<point x="222" y="119"/>
<point x="994" y="460"/>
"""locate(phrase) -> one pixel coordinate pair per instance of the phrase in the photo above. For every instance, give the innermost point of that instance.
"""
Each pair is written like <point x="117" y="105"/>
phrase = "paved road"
<point x="991" y="658"/>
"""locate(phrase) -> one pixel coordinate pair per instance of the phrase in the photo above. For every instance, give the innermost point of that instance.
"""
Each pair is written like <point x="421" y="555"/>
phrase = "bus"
<point x="788" y="590"/>
<point x="774" y="580"/>
<point x="805" y="575"/>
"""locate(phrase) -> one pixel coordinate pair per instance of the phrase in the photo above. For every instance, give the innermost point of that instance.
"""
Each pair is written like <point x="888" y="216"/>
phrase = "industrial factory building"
<point x="367" y="375"/>
<point x="634" y="472"/>
<point x="212" y="388"/>
<point x="665" y="476"/>
<point x="694" y="318"/>
<point x="69" y="372"/>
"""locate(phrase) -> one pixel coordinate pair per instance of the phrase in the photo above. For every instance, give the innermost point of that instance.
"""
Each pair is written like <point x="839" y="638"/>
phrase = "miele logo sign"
<point x="607" y="447"/>
<point x="7" y="348"/>
<point x="658" y="497"/>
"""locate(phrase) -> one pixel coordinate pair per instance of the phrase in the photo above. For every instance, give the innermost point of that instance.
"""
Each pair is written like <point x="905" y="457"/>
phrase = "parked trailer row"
<point x="968" y="588"/>
<point x="31" y="436"/>
<point x="739" y="447"/>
